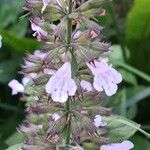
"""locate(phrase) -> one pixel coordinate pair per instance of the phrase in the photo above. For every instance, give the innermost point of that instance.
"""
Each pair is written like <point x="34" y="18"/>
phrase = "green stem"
<point x="68" y="127"/>
<point x="68" y="42"/>
<point x="69" y="25"/>
<point x="120" y="37"/>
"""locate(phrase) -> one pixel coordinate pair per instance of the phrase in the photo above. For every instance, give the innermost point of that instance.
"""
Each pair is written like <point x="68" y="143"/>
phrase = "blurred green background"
<point x="127" y="27"/>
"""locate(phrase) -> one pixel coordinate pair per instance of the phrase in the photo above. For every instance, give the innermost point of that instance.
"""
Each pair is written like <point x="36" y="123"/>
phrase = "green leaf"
<point x="16" y="147"/>
<point x="74" y="66"/>
<point x="14" y="139"/>
<point x="120" y="128"/>
<point x="128" y="77"/>
<point x="117" y="54"/>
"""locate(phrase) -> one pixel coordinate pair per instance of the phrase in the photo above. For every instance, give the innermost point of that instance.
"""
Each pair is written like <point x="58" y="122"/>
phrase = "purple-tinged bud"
<point x="32" y="4"/>
<point x="29" y="128"/>
<point x="92" y="25"/>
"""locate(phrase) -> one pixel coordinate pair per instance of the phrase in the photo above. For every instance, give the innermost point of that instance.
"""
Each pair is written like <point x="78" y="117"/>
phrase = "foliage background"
<point x="127" y="26"/>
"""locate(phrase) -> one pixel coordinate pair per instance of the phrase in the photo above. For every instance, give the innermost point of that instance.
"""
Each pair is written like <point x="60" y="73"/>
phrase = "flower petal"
<point x="105" y="77"/>
<point x="86" y="85"/>
<point x="71" y="87"/>
<point x="125" y="145"/>
<point x="16" y="87"/>
<point x="55" y="116"/>
<point x="61" y="85"/>
<point x="98" y="121"/>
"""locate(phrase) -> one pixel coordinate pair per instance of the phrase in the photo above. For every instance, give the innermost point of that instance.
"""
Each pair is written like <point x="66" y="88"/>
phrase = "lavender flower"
<point x="39" y="32"/>
<point x="55" y="116"/>
<point x="16" y="87"/>
<point x="105" y="77"/>
<point x="61" y="85"/>
<point x="28" y="78"/>
<point x="125" y="145"/>
<point x="87" y="86"/>
<point x="39" y="54"/>
<point x="98" y="121"/>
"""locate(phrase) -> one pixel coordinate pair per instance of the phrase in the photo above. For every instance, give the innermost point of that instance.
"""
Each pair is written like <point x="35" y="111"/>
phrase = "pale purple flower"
<point x="0" y="41"/>
<point x="28" y="78"/>
<point x="105" y="77"/>
<point x="39" y="32"/>
<point x="77" y="34"/>
<point x="39" y="54"/>
<point x="65" y="57"/>
<point x="45" y="4"/>
<point x="25" y="81"/>
<point x="98" y="122"/>
<point x="16" y="87"/>
<point x="87" y="86"/>
<point x="125" y="145"/>
<point x="61" y="85"/>
<point x="55" y="116"/>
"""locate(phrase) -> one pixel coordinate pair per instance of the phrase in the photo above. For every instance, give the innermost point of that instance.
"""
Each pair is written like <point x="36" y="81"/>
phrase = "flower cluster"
<point x="65" y="81"/>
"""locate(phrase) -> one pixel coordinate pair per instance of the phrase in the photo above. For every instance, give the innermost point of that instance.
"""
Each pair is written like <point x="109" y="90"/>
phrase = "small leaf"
<point x="16" y="147"/>
<point x="14" y="139"/>
<point x="120" y="128"/>
<point x="128" y="76"/>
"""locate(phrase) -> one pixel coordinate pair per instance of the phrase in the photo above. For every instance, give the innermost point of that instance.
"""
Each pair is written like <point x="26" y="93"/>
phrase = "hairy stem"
<point x="68" y="42"/>
<point x="69" y="25"/>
